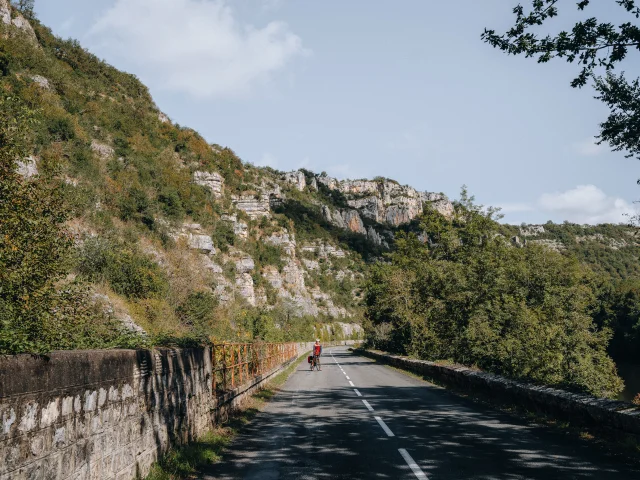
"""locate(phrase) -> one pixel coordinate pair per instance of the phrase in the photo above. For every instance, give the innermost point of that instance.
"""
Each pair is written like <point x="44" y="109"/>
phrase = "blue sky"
<point x="363" y="88"/>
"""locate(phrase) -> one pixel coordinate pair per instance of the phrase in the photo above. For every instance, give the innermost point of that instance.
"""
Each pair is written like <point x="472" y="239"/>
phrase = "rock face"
<point x="17" y="21"/>
<point x="252" y="206"/>
<point x="284" y="240"/>
<point x="41" y="81"/>
<point x="123" y="317"/>
<point x="297" y="179"/>
<point x="103" y="150"/>
<point x="531" y="230"/>
<point x="28" y="167"/>
<point x="240" y="229"/>
<point x="388" y="202"/>
<point x="211" y="180"/>
<point x="382" y="201"/>
<point x="196" y="238"/>
<point x="323" y="250"/>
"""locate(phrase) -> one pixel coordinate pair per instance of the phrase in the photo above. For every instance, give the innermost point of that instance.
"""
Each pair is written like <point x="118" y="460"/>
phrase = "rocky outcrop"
<point x="323" y="250"/>
<point x="252" y="206"/>
<point x="297" y="179"/>
<point x="550" y="244"/>
<point x="342" y="329"/>
<point x="103" y="150"/>
<point x="347" y="219"/>
<point x="531" y="230"/>
<point x="284" y="240"/>
<point x="41" y="81"/>
<point x="244" y="287"/>
<point x="195" y="237"/>
<point x="120" y="314"/>
<point x="27" y="168"/>
<point x="383" y="201"/>
<point x="17" y="20"/>
<point x="211" y="180"/>
<point x="240" y="229"/>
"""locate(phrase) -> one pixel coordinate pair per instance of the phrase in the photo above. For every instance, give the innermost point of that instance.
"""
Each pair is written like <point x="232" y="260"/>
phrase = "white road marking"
<point x="417" y="471"/>
<point x="348" y="377"/>
<point x="351" y="383"/>
<point x="357" y="392"/>
<point x="366" y="404"/>
<point x="386" y="429"/>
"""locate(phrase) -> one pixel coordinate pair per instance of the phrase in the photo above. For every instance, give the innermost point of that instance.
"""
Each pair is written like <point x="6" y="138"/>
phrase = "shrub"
<point x="126" y="270"/>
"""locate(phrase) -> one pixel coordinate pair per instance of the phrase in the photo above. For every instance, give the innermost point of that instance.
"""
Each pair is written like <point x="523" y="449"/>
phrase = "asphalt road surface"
<point x="359" y="419"/>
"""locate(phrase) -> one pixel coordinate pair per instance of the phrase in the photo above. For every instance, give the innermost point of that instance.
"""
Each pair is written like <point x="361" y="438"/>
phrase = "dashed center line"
<point x="417" y="471"/>
<point x="357" y="392"/>
<point x="386" y="429"/>
<point x="366" y="404"/>
<point x="348" y="377"/>
<point x="351" y="383"/>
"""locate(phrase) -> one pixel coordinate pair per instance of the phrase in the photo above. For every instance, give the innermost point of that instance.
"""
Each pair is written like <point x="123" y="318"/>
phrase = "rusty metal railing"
<point x="234" y="364"/>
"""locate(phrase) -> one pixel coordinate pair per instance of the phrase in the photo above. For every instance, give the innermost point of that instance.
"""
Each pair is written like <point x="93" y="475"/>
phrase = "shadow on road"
<point x="311" y="430"/>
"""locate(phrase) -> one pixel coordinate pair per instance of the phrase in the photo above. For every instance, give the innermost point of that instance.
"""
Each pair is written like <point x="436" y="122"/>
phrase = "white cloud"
<point x="583" y="204"/>
<point x="194" y="46"/>
<point x="588" y="148"/>
<point x="586" y="204"/>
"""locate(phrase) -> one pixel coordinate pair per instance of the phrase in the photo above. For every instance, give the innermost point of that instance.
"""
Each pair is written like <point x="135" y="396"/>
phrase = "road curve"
<point x="359" y="419"/>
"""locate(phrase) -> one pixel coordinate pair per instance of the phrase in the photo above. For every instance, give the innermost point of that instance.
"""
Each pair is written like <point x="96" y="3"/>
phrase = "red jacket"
<point x="317" y="349"/>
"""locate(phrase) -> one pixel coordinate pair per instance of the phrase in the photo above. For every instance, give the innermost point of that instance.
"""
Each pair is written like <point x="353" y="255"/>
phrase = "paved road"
<point x="358" y="419"/>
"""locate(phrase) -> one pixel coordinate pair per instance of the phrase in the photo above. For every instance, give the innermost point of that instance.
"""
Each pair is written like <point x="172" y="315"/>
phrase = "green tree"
<point x="33" y="246"/>
<point x="597" y="46"/>
<point x="26" y="7"/>
<point x="469" y="296"/>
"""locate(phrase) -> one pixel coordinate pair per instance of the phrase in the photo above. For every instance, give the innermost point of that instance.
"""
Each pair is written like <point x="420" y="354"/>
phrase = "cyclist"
<point x="317" y="351"/>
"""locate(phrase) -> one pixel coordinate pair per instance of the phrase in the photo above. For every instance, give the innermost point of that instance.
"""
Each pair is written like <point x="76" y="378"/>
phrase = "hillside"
<point x="174" y="236"/>
<point x="610" y="250"/>
<point x="126" y="229"/>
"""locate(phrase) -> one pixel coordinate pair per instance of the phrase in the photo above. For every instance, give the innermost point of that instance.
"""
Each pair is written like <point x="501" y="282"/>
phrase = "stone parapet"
<point x="576" y="408"/>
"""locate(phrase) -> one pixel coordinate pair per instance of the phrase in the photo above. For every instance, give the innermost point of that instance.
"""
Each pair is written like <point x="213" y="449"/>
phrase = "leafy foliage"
<point x="593" y="45"/>
<point x="39" y="310"/>
<point x="468" y="296"/>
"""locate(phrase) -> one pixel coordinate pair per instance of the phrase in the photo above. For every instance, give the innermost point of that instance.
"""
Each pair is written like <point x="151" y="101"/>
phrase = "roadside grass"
<point x="614" y="442"/>
<point x="185" y="462"/>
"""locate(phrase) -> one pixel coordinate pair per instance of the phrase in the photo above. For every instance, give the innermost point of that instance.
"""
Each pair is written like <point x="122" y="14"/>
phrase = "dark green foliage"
<point x="472" y="298"/>
<point x="61" y="129"/>
<point x="223" y="235"/>
<point x="39" y="312"/>
<point x="197" y="312"/>
<point x="619" y="310"/>
<point x="126" y="270"/>
<point x="593" y="45"/>
<point x="171" y="203"/>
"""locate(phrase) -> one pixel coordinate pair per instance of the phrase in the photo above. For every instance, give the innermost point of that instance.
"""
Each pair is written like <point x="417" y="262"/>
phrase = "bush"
<point x="126" y="270"/>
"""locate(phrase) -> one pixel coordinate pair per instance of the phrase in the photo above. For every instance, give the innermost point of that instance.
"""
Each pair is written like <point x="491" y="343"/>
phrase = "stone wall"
<point x="578" y="409"/>
<point x="107" y="414"/>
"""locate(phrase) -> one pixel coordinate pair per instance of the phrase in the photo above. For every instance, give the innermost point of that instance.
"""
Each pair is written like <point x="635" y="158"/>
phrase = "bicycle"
<point x="315" y="362"/>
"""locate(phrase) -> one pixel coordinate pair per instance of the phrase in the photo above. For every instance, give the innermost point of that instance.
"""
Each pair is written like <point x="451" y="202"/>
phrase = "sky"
<point x="363" y="88"/>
